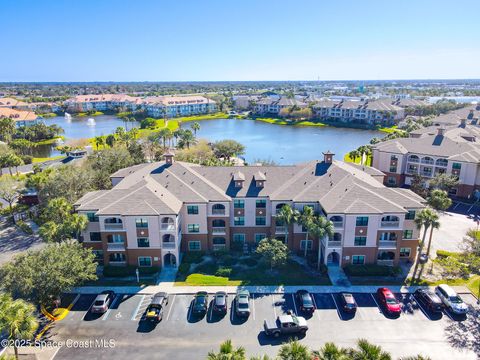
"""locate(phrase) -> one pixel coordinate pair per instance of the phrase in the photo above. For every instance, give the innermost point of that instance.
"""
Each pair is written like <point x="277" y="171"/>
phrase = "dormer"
<point x="169" y="155"/>
<point x="238" y="179"/>
<point x="328" y="157"/>
<point x="260" y="179"/>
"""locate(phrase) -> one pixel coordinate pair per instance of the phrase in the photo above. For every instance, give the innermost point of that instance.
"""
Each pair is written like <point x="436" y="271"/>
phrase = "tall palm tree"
<point x="306" y="218"/>
<point x="186" y="139"/>
<point x="353" y="155"/>
<point x="134" y="132"/>
<point x="330" y="351"/>
<point x="287" y="216"/>
<point x="294" y="350"/>
<point x="423" y="219"/>
<point x="368" y="351"/>
<point x="195" y="127"/>
<point x="320" y="228"/>
<point x="164" y="134"/>
<point x="228" y="352"/>
<point x="99" y="140"/>
<point x="434" y="225"/>
<point x="17" y="319"/>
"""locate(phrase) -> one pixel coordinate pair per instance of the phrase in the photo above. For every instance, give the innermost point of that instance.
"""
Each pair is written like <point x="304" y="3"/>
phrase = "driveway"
<point x="14" y="241"/>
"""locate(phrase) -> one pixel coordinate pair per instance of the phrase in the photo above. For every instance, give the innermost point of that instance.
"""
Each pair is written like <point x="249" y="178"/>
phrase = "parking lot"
<point x="182" y="335"/>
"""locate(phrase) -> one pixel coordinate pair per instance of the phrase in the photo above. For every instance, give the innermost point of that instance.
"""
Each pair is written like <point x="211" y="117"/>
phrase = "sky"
<point x="225" y="40"/>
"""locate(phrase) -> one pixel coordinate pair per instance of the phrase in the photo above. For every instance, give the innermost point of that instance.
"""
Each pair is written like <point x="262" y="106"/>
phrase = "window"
<point x="456" y="166"/>
<point x="405" y="252"/>
<point x="141" y="223"/>
<point x="239" y="220"/>
<point x="219" y="243"/>
<point x="410" y="215"/>
<point x="194" y="245"/>
<point x="193" y="228"/>
<point x="360" y="241"/>
<point x="144" y="261"/>
<point x="238" y="204"/>
<point x="239" y="238"/>
<point x="192" y="209"/>
<point x="309" y="244"/>
<point x="260" y="220"/>
<point x="98" y="254"/>
<point x="393" y="169"/>
<point x="358" y="259"/>
<point x="362" y="220"/>
<point x="408" y="234"/>
<point x="92" y="217"/>
<point x="259" y="237"/>
<point x="391" y="180"/>
<point x="115" y="238"/>
<point x="261" y="204"/>
<point x="143" y="242"/>
<point x="393" y="158"/>
<point x="95" y="236"/>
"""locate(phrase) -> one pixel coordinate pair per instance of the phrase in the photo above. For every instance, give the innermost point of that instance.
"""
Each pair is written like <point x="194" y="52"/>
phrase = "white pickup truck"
<point x="286" y="324"/>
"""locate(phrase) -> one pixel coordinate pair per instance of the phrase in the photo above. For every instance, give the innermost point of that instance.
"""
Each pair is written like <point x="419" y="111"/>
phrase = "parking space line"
<point x="378" y="306"/>
<point x="421" y="307"/>
<point x="448" y="314"/>
<point x="253" y="306"/>
<point x="107" y="313"/>
<point x="273" y="303"/>
<point x="138" y="307"/>
<point x="316" y="307"/>
<point x="83" y="317"/>
<point x="470" y="208"/>
<point x="336" y="307"/>
<point x="456" y="205"/>
<point x="171" y="306"/>
<point x="211" y="312"/>
<point x="294" y="304"/>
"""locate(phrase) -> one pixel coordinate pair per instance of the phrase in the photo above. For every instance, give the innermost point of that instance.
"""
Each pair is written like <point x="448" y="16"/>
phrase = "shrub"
<point x="147" y="123"/>
<point x="184" y="268"/>
<point x="223" y="271"/>
<point x="445" y="253"/>
<point x="123" y="271"/>
<point x="207" y="269"/>
<point x="24" y="227"/>
<point x="27" y="159"/>
<point x="249" y="261"/>
<point x="371" y="270"/>
<point x="237" y="246"/>
<point x="228" y="260"/>
<point x="193" y="257"/>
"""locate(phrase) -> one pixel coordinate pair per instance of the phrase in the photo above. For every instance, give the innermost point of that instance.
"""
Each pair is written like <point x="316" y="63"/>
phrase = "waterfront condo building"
<point x="449" y="146"/>
<point x="157" y="210"/>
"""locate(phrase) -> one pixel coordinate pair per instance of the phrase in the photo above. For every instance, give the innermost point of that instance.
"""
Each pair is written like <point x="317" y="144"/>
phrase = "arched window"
<point x="279" y="207"/>
<point x="337" y="237"/>
<point x="113" y="220"/>
<point x="441" y="162"/>
<point x="427" y="160"/>
<point x="167" y="238"/>
<point x="218" y="223"/>
<point x="218" y="209"/>
<point x="336" y="219"/>
<point x="167" y="223"/>
<point x="413" y="158"/>
<point x="390" y="218"/>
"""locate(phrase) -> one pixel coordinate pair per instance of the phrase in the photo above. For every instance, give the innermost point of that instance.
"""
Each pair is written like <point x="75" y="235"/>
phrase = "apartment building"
<point x="156" y="211"/>
<point x="450" y="146"/>
<point x="274" y="104"/>
<point x="155" y="106"/>
<point x="21" y="117"/>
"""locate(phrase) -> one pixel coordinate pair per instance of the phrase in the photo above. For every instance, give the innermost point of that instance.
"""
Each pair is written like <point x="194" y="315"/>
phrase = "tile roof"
<point x="17" y="115"/>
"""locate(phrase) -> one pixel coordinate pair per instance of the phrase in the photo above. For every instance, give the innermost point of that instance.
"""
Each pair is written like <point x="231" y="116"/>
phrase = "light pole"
<point x="138" y="275"/>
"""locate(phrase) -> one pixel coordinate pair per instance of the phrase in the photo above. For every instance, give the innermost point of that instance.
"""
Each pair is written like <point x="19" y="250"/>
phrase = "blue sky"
<point x="162" y="40"/>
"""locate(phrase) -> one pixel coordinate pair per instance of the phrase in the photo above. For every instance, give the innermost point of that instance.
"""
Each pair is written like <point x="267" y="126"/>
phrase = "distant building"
<point x="273" y="105"/>
<point x="21" y="117"/>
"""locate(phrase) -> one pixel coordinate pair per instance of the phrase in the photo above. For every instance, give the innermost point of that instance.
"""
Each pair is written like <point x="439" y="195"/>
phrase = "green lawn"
<point x="215" y="116"/>
<point x="347" y="158"/>
<point x="49" y="141"/>
<point x="84" y="114"/>
<point x="309" y="123"/>
<point x="39" y="160"/>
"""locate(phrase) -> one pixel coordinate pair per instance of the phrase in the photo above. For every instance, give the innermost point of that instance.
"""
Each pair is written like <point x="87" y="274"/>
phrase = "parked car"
<point x="305" y="301"/>
<point x="155" y="309"/>
<point x="200" y="303"/>
<point x="220" y="302"/>
<point x="348" y="303"/>
<point x="102" y="302"/>
<point x="429" y="299"/>
<point x="450" y="299"/>
<point x="286" y="324"/>
<point x="388" y="301"/>
<point x="242" y="303"/>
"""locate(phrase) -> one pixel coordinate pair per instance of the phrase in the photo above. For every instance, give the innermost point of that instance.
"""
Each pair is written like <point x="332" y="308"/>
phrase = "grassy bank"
<point x="215" y="116"/>
<point x="389" y="130"/>
<point x="358" y="160"/>
<point x="83" y="114"/>
<point x="40" y="160"/>
<point x="48" y="115"/>
<point x="49" y="141"/>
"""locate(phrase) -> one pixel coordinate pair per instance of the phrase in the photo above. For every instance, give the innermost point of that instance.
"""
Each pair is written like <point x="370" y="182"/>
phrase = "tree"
<point x="195" y="127"/>
<point x="228" y="148"/>
<point x="434" y="225"/>
<point x="99" y="140"/>
<point x="287" y="216"/>
<point x="444" y="182"/>
<point x="10" y="160"/>
<point x="471" y="242"/>
<point x="418" y="185"/>
<point x="228" y="352"/>
<point x="186" y="139"/>
<point x="294" y="350"/>
<point x="47" y="273"/>
<point x="423" y="219"/>
<point x="17" y="319"/>
<point x="164" y="134"/>
<point x="354" y="154"/>
<point x="439" y="200"/>
<point x="330" y="351"/>
<point x="273" y="251"/>
<point x="320" y="228"/>
<point x="10" y="190"/>
<point x="22" y="146"/>
<point x="7" y="129"/>
<point x="110" y="140"/>
<point x="368" y="351"/>
<point x="306" y="220"/>
<point x="105" y="162"/>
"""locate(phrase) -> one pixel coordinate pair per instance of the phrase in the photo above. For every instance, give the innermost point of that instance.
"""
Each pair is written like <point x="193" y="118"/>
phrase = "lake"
<point x="282" y="144"/>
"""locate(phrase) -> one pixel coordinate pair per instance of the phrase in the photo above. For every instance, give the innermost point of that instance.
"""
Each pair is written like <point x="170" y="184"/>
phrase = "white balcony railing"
<point x="389" y="224"/>
<point x="331" y="244"/>
<point x="387" y="244"/>
<point x="117" y="263"/>
<point x="168" y="245"/>
<point x="167" y="227"/>
<point x="113" y="226"/>
<point x="385" y="262"/>
<point x="116" y="246"/>
<point x="280" y="229"/>
<point x="218" y="211"/>
<point x="218" y="230"/>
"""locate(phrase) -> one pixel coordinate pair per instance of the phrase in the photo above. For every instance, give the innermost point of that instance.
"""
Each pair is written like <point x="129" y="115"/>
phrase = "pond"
<point x="282" y="144"/>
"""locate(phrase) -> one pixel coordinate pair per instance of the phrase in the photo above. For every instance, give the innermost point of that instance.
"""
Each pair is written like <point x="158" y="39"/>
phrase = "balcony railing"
<point x="334" y="244"/>
<point x="116" y="246"/>
<point x="414" y="160"/>
<point x="389" y="224"/>
<point x="218" y="230"/>
<point x="430" y="162"/>
<point x="168" y="227"/>
<point x="117" y="263"/>
<point x="426" y="173"/>
<point x="385" y="262"/>
<point x="168" y="245"/>
<point x="387" y="244"/>
<point x="114" y="226"/>
<point x="337" y="224"/>
<point x="280" y="229"/>
<point x="218" y="211"/>
<point x="217" y="247"/>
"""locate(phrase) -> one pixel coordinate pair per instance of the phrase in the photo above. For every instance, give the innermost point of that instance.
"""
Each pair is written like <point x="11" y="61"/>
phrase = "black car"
<point x="220" y="302"/>
<point x="200" y="303"/>
<point x="348" y="303"/>
<point x="155" y="309"/>
<point x="429" y="299"/>
<point x="305" y="301"/>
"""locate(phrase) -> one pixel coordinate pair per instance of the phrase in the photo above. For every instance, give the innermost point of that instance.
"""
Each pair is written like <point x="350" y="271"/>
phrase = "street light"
<point x="138" y="275"/>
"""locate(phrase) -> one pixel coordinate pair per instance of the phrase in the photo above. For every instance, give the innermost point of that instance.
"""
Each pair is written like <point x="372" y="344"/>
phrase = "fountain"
<point x="68" y="117"/>
<point x="91" y="122"/>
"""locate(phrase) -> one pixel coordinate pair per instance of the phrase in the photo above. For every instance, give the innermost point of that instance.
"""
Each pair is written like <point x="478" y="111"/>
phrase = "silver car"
<point x="450" y="299"/>
<point x="242" y="303"/>
<point x="102" y="302"/>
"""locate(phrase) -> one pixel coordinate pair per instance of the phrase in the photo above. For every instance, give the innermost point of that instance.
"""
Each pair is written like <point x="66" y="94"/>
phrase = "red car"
<point x="389" y="301"/>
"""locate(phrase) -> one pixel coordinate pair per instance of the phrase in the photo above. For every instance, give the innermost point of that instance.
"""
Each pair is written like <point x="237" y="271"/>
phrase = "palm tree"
<point x="164" y="134"/>
<point x="186" y="139"/>
<point x="423" y="219"/>
<point x="99" y="140"/>
<point x="17" y="319"/>
<point x="228" y="352"/>
<point x="434" y="225"/>
<point x="195" y="127"/>
<point x="294" y="351"/>
<point x="320" y="228"/>
<point x="368" y="351"/>
<point x="287" y="216"/>
<point x="110" y="140"/>
<point x="306" y="219"/>
<point x="416" y="357"/>
<point x="177" y="133"/>
<point x="330" y="351"/>
<point x="134" y="133"/>
<point x="353" y="155"/>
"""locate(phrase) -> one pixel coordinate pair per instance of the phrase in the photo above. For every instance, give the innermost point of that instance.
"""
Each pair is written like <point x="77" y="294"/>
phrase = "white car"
<point x="451" y="300"/>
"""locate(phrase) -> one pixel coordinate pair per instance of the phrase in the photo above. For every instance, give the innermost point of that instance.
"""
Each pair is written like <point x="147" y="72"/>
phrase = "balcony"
<point x="114" y="227"/>
<point x="413" y="160"/>
<point x="385" y="262"/>
<point x="167" y="227"/>
<point x="168" y="245"/>
<point x="218" y="230"/>
<point x="390" y="224"/>
<point x="116" y="246"/>
<point x="337" y="224"/>
<point x="117" y="263"/>
<point x="412" y="171"/>
<point x="280" y="229"/>
<point x="387" y="244"/>
<point x="430" y="162"/>
<point x="218" y="211"/>
<point x="331" y="244"/>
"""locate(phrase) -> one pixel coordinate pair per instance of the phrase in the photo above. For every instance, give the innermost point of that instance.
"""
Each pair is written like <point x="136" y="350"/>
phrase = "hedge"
<point x="445" y="253"/>
<point x="122" y="271"/>
<point x="371" y="270"/>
